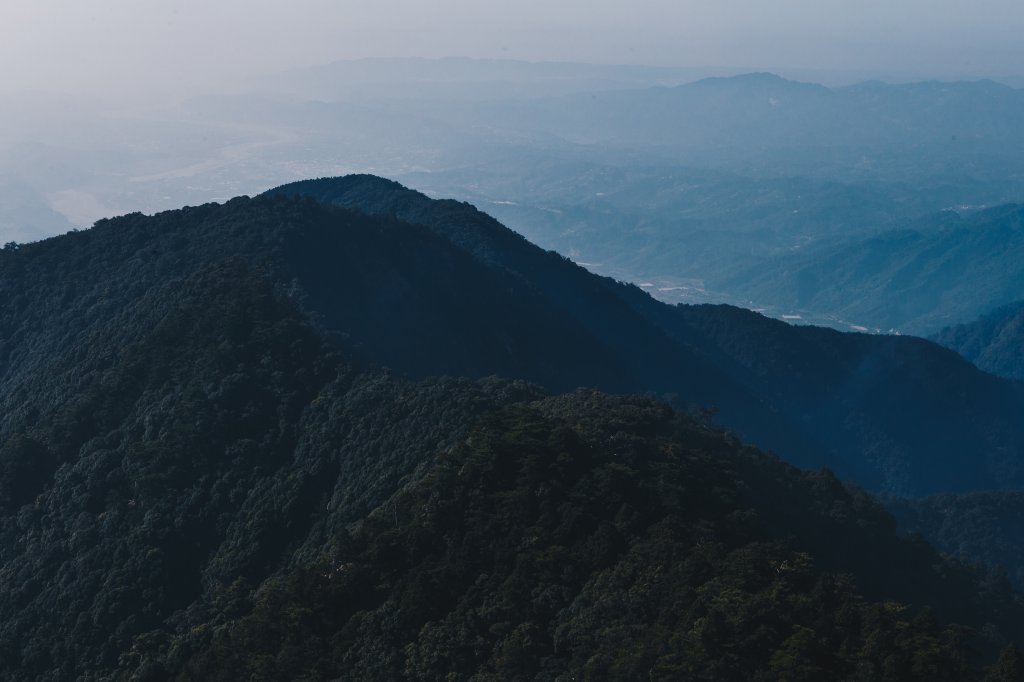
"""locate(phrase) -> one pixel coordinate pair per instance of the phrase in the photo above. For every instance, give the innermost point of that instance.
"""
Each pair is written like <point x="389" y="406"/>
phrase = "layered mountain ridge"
<point x="206" y="473"/>
<point x="916" y="280"/>
<point x="431" y="288"/>
<point x="851" y="395"/>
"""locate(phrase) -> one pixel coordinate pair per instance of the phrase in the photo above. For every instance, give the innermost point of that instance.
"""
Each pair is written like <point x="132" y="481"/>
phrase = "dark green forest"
<point x="894" y="414"/>
<point x="986" y="527"/>
<point x="591" y="537"/>
<point x="267" y="440"/>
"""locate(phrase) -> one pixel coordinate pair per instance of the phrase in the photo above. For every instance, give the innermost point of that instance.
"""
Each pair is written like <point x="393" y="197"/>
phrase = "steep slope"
<point x="994" y="343"/>
<point x="884" y="393"/>
<point x="652" y="357"/>
<point x="891" y="413"/>
<point x="400" y="295"/>
<point x="917" y="280"/>
<point x="193" y="444"/>
<point x="671" y="219"/>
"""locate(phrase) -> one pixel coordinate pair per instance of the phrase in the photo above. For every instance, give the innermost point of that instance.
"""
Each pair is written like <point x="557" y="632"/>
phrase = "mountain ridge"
<point x="460" y="294"/>
<point x="848" y="369"/>
<point x="205" y="472"/>
<point x="915" y="280"/>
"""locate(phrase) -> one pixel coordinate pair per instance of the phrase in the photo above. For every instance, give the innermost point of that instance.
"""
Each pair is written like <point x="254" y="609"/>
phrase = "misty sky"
<point x="175" y="44"/>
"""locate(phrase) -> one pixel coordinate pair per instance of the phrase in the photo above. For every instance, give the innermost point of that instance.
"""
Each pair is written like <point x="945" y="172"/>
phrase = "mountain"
<point x="648" y="177"/>
<point x="747" y="115"/>
<point x="647" y="221"/>
<point x="695" y="235"/>
<point x="916" y="280"/>
<point x="181" y="445"/>
<point x="866" y="406"/>
<point x="994" y="343"/>
<point x="205" y="473"/>
<point x="596" y="537"/>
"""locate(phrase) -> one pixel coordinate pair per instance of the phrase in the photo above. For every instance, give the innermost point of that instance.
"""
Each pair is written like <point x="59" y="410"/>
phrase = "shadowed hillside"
<point x="206" y="474"/>
<point x="892" y="413"/>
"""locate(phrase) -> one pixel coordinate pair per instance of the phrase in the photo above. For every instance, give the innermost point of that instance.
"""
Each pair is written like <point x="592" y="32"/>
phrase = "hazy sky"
<point x="90" y="44"/>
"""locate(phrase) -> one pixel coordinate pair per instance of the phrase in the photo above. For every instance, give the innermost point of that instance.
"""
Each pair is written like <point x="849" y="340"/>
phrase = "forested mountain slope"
<point x="186" y="453"/>
<point x="205" y="474"/>
<point x="893" y="413"/>
<point x="994" y="343"/>
<point x="589" y="537"/>
<point x="916" y="280"/>
<point x="980" y="526"/>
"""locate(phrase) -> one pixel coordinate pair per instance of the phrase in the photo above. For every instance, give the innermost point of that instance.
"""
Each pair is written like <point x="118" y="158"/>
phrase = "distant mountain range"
<point x="707" y="189"/>
<point x="915" y="280"/>
<point x="745" y="116"/>
<point x="207" y="472"/>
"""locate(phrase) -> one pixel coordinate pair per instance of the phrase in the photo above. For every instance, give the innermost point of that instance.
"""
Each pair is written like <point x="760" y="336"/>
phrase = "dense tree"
<point x="1009" y="667"/>
<point x="892" y="413"/>
<point x="206" y="474"/>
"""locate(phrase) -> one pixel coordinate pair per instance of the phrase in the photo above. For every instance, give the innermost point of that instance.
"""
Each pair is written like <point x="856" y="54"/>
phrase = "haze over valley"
<point x="719" y="189"/>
